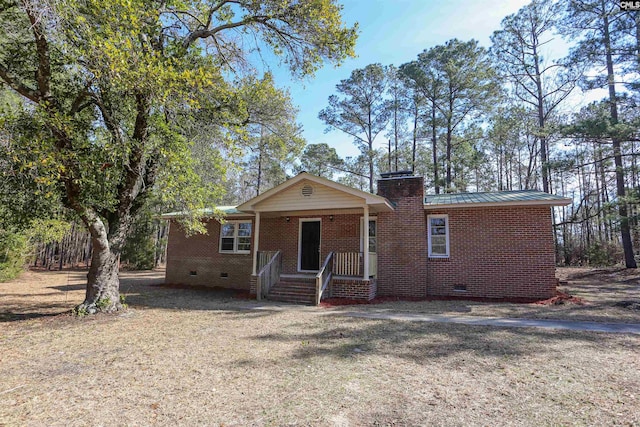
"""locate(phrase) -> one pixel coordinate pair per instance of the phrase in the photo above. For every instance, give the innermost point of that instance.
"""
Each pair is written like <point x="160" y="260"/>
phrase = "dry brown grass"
<point x="600" y="289"/>
<point x="196" y="357"/>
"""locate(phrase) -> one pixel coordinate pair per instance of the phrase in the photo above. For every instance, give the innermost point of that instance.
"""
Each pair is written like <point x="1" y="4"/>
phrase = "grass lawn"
<point x="599" y="289"/>
<point x="198" y="357"/>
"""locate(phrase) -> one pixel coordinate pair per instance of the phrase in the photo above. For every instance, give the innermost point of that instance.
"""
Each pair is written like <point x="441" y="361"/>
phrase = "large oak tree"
<point x="105" y="85"/>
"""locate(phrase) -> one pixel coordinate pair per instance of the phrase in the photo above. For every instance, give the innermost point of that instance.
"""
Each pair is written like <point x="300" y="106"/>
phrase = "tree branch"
<point x="43" y="75"/>
<point x="19" y="87"/>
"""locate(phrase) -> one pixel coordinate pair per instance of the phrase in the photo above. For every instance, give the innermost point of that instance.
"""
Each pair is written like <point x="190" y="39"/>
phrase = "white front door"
<point x="373" y="244"/>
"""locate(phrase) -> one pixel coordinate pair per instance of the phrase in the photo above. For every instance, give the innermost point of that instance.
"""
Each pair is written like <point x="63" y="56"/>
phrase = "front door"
<point x="309" y="245"/>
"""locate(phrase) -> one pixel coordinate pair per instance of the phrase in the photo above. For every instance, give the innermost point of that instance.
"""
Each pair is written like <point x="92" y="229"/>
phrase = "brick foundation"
<point x="353" y="288"/>
<point x="253" y="285"/>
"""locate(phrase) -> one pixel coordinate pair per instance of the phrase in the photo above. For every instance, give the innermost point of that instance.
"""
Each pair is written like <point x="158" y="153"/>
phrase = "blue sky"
<point x="391" y="32"/>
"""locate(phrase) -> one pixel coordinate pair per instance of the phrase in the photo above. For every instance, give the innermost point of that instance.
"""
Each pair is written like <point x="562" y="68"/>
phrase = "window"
<point x="373" y="243"/>
<point x="438" y="230"/>
<point x="372" y="236"/>
<point x="235" y="237"/>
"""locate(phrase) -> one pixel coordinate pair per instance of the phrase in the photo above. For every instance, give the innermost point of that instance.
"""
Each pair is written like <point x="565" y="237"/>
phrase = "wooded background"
<point x="466" y="117"/>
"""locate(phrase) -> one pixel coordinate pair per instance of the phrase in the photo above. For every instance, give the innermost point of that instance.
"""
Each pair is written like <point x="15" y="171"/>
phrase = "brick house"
<point x="310" y="238"/>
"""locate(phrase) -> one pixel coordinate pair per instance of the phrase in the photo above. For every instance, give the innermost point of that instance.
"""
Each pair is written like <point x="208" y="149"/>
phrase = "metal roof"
<point x="498" y="198"/>
<point x="226" y="210"/>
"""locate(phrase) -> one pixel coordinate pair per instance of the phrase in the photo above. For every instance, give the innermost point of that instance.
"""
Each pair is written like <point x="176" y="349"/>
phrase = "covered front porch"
<point x="292" y="253"/>
<point x="316" y="232"/>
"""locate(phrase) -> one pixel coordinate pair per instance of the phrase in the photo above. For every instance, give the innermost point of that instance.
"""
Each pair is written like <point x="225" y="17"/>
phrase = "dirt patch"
<point x="560" y="299"/>
<point x="38" y="294"/>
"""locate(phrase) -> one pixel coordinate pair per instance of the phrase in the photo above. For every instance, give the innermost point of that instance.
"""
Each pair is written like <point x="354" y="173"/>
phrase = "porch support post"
<point x="365" y="243"/>
<point x="256" y="239"/>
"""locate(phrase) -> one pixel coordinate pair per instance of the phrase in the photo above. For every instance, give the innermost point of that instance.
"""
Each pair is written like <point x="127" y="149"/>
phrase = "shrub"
<point x="14" y="249"/>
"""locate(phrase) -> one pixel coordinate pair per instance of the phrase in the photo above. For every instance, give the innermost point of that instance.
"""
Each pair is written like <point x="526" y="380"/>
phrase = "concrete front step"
<point x="295" y="287"/>
<point x="298" y="280"/>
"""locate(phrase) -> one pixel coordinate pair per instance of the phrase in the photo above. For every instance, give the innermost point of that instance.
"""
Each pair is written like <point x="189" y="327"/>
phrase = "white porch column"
<point x="365" y="242"/>
<point x="256" y="240"/>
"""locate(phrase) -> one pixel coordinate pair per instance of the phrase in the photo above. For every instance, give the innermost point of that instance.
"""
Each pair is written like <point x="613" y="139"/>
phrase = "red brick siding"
<point x="402" y="239"/>
<point x="354" y="288"/>
<point x="253" y="285"/>
<point x="340" y="235"/>
<point x="200" y="253"/>
<point x="503" y="252"/>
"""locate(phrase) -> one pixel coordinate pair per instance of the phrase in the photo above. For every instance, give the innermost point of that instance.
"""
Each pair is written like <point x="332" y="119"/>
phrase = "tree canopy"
<point x="105" y="91"/>
<point x="361" y="111"/>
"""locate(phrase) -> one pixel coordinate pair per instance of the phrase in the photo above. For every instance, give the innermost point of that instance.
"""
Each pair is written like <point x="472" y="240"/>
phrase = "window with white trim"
<point x="438" y="233"/>
<point x="235" y="237"/>
<point x="373" y="241"/>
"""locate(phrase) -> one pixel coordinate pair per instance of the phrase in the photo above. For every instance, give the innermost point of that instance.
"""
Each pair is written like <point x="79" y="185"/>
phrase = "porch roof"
<point x="306" y="192"/>
<point x="226" y="211"/>
<point x="496" y="198"/>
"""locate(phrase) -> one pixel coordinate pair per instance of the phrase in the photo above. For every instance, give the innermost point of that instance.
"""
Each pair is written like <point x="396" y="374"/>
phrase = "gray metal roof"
<point x="226" y="210"/>
<point x="517" y="197"/>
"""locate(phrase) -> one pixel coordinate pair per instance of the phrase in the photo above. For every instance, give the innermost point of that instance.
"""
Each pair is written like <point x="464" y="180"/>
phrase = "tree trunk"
<point x="627" y="244"/>
<point x="370" y="158"/>
<point x="103" y="284"/>
<point x="260" y="149"/>
<point x="434" y="147"/>
<point x="541" y="122"/>
<point x="447" y="184"/>
<point x="415" y="138"/>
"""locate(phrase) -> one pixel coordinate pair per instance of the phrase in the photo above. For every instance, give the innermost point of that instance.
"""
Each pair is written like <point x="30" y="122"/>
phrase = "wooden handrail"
<point x="264" y="257"/>
<point x="324" y="277"/>
<point x="269" y="275"/>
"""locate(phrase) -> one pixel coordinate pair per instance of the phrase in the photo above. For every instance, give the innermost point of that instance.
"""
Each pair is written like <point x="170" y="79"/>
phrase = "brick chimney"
<point x="402" y="236"/>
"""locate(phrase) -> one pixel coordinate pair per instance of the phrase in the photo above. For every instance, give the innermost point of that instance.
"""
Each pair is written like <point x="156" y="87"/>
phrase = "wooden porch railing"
<point x="347" y="264"/>
<point x="269" y="275"/>
<point x="264" y="257"/>
<point x="324" y="277"/>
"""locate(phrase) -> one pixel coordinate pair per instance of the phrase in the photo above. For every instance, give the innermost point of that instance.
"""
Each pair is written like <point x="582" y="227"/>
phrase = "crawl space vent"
<point x="307" y="191"/>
